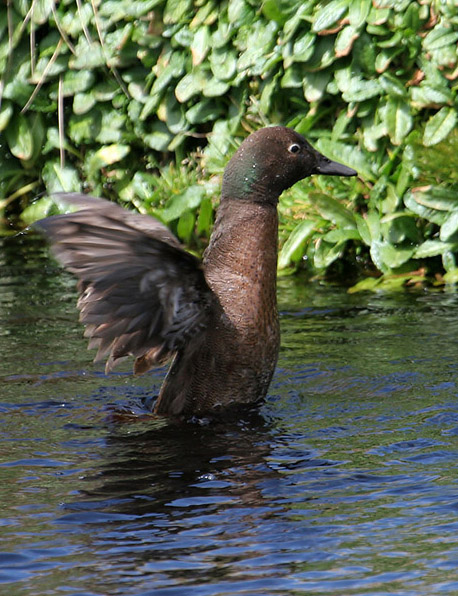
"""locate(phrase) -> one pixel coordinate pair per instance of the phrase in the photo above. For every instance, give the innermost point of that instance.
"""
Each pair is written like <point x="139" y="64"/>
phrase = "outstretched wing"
<point x="141" y="294"/>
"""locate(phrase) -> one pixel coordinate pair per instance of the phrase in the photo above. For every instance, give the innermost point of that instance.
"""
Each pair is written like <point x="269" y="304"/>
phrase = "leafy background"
<point x="143" y="101"/>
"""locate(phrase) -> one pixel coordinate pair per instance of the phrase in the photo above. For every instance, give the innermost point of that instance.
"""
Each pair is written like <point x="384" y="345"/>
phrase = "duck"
<point x="141" y="294"/>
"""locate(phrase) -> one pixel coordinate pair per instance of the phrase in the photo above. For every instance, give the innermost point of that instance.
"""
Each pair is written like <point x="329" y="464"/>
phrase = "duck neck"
<point x="241" y="259"/>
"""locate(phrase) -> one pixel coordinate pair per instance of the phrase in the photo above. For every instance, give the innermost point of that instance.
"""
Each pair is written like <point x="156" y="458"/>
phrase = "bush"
<point x="100" y="96"/>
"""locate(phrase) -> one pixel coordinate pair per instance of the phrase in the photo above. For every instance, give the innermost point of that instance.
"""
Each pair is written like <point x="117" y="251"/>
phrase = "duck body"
<point x="235" y="359"/>
<point x="141" y="294"/>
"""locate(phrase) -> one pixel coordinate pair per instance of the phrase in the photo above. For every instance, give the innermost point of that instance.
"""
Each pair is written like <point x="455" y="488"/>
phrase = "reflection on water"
<point x="343" y="482"/>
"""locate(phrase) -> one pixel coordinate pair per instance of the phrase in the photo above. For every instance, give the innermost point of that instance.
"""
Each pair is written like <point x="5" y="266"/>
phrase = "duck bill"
<point x="333" y="168"/>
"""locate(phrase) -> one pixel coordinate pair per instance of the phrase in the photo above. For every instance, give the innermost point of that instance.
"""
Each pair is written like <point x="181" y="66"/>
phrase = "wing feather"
<point x="140" y="293"/>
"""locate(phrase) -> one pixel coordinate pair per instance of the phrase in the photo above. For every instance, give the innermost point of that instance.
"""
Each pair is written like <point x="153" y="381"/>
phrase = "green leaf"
<point x="159" y="138"/>
<point x="77" y="81"/>
<point x="341" y="235"/>
<point x="437" y="217"/>
<point x="175" y="10"/>
<point x="439" y="126"/>
<point x="41" y="9"/>
<point x="451" y="277"/>
<point x="186" y="201"/>
<point x="106" y="156"/>
<point x="385" y="57"/>
<point x="200" y="45"/>
<point x="215" y="88"/>
<point x="326" y="253"/>
<point x="315" y="84"/>
<point x="303" y="47"/>
<point x="394" y="256"/>
<point x="87" y="56"/>
<point x="449" y="261"/>
<point x="363" y="229"/>
<point x="191" y="84"/>
<point x="345" y="40"/>
<point x="203" y="111"/>
<point x="332" y="210"/>
<point x="19" y="136"/>
<point x="392" y="85"/>
<point x="205" y="217"/>
<point x="6" y="112"/>
<point x="223" y="63"/>
<point x="398" y="119"/>
<point x="433" y="248"/>
<point x="359" y="11"/>
<point x="83" y="102"/>
<point x="185" y="226"/>
<point x="329" y="14"/>
<point x="277" y="10"/>
<point x="440" y="37"/>
<point x="37" y="210"/>
<point x="58" y="178"/>
<point x="360" y="90"/>
<point x="367" y="284"/>
<point x="294" y="242"/>
<point x="450" y="226"/>
<point x="437" y="197"/>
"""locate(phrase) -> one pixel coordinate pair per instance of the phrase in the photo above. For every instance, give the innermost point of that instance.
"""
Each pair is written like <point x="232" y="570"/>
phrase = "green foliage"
<point x="99" y="96"/>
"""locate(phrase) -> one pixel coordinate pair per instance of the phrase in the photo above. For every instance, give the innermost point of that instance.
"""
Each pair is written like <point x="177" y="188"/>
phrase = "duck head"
<point x="271" y="160"/>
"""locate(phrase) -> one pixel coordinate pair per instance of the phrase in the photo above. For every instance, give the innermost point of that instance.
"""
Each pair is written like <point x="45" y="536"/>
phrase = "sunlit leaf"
<point x="326" y="253"/>
<point x="439" y="126"/>
<point x="398" y="119"/>
<point x="450" y="226"/>
<point x="106" y="156"/>
<point x="83" y="102"/>
<point x="433" y="248"/>
<point x="278" y="10"/>
<point x="440" y="37"/>
<point x="451" y="277"/>
<point x="223" y="63"/>
<point x="200" y="45"/>
<point x="392" y="85"/>
<point x="345" y="40"/>
<point x="191" y="84"/>
<point x="294" y="242"/>
<point x="332" y="210"/>
<point x="19" y="136"/>
<point x="359" y="11"/>
<point x="58" y="178"/>
<point x="88" y="55"/>
<point x="175" y="10"/>
<point x="315" y="84"/>
<point x="303" y="47"/>
<point x="180" y="204"/>
<point x="41" y="9"/>
<point x="437" y="197"/>
<point x="329" y="14"/>
<point x="367" y="284"/>
<point x="37" y="210"/>
<point x="394" y="256"/>
<point x="6" y="112"/>
<point x="360" y="90"/>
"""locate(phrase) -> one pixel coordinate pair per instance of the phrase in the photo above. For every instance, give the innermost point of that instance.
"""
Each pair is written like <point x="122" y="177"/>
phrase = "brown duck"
<point x="142" y="294"/>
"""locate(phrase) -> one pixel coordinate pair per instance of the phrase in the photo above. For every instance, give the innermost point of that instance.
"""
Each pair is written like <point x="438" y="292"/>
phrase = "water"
<point x="344" y="482"/>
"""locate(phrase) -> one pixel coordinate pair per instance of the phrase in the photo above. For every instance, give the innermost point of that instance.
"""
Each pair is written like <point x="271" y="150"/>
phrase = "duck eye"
<point x="294" y="148"/>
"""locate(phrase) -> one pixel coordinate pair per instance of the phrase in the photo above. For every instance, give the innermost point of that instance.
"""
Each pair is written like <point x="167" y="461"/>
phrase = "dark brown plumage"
<point x="142" y="294"/>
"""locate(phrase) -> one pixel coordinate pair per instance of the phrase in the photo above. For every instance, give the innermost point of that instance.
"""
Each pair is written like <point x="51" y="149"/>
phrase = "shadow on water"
<point x="343" y="482"/>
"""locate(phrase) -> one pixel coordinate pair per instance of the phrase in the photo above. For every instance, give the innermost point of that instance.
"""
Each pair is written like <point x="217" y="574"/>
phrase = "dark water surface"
<point x="344" y="482"/>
